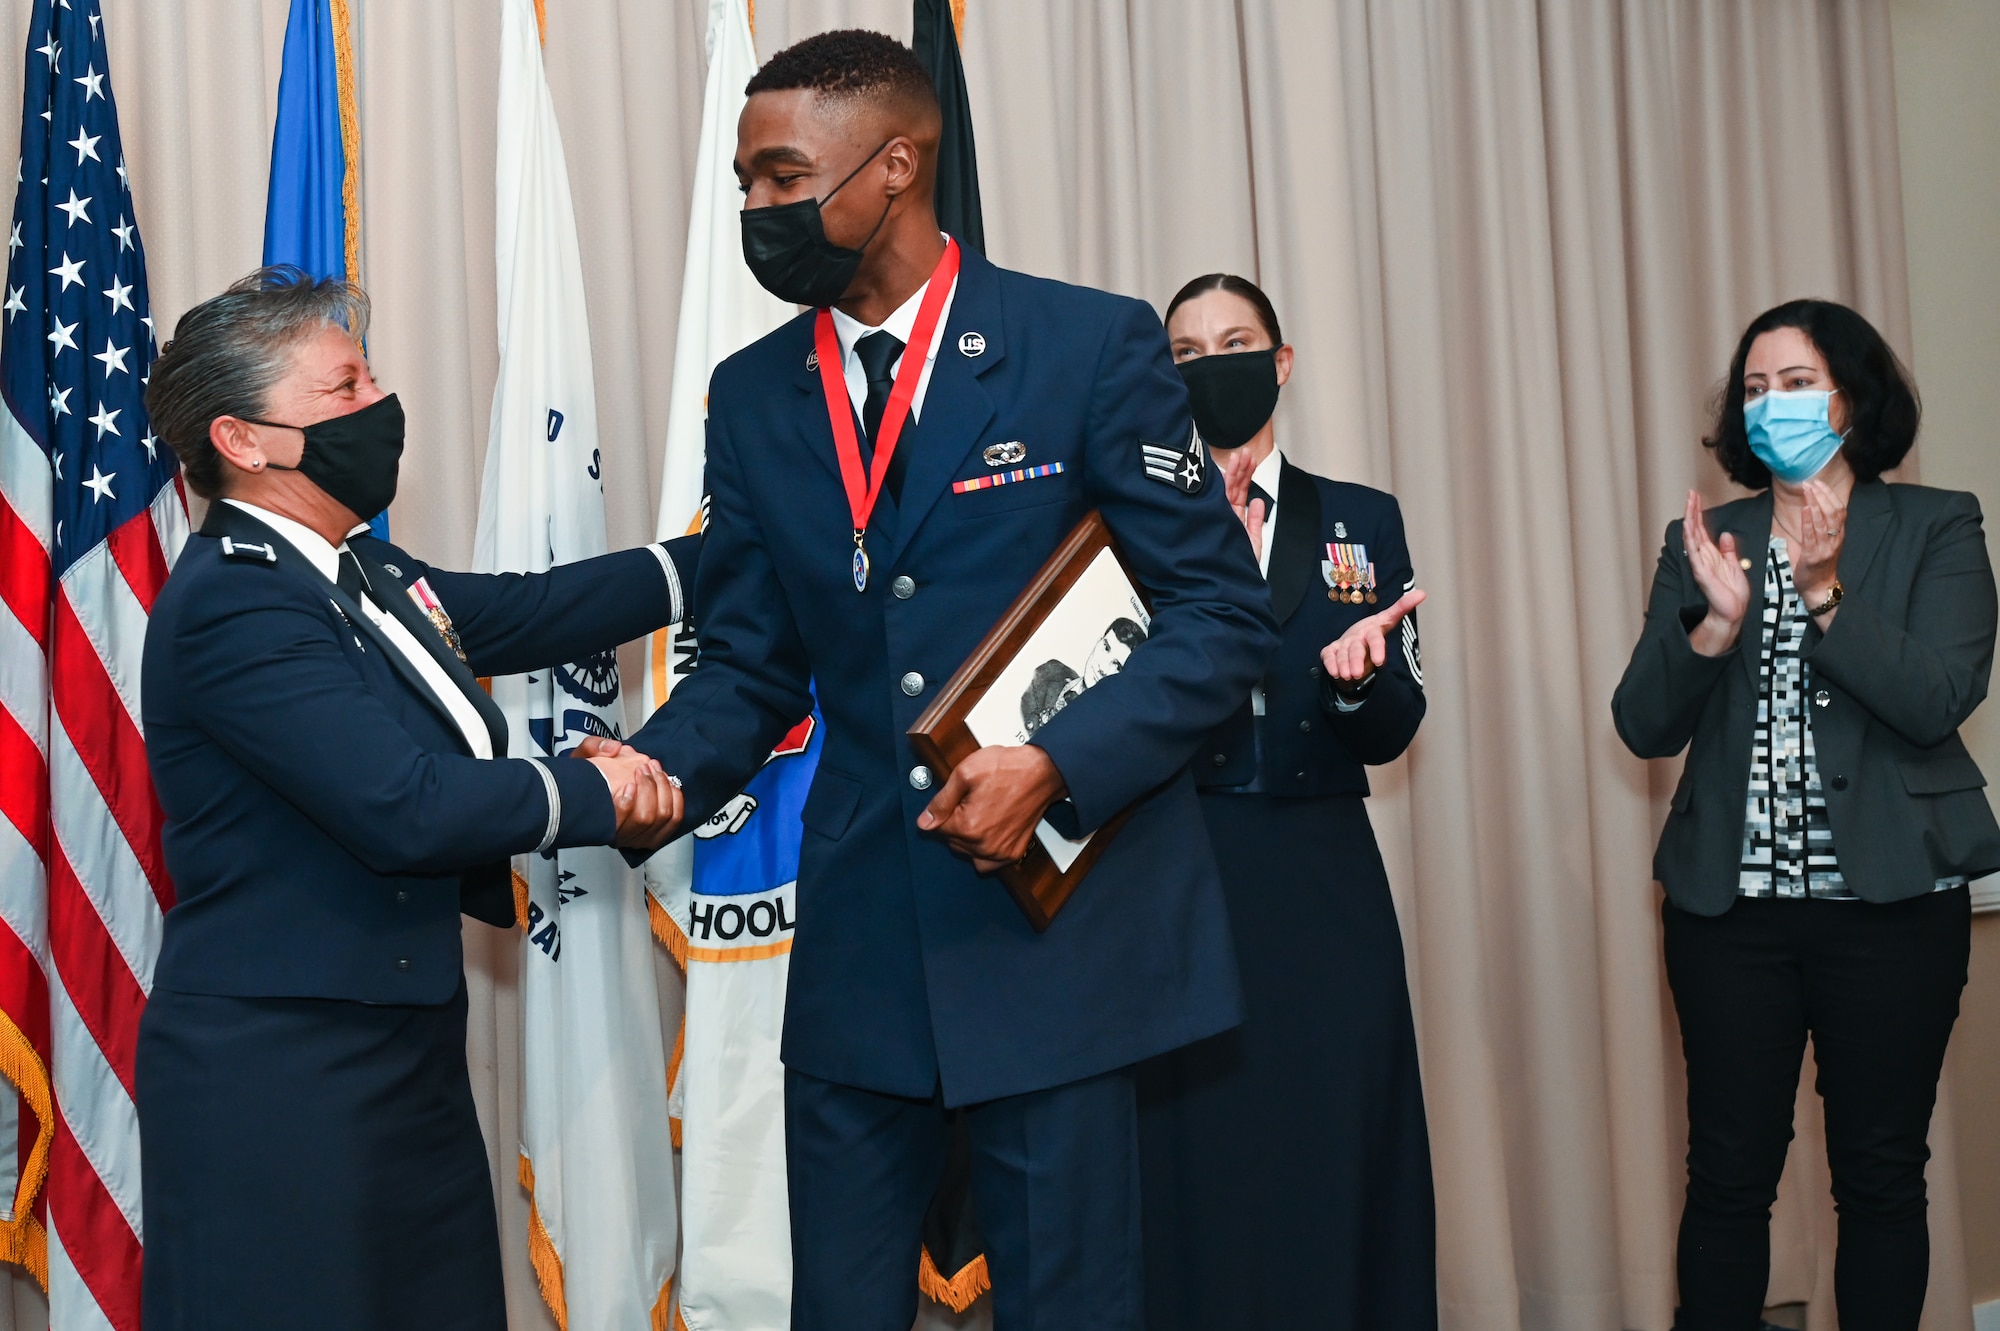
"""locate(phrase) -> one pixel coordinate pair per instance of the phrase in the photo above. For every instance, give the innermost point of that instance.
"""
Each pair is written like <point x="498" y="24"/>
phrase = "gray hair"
<point x="228" y="352"/>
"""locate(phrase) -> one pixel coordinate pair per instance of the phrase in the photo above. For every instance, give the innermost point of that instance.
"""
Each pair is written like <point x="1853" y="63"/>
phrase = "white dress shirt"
<point x="326" y="559"/>
<point x="1266" y="478"/>
<point x="900" y="325"/>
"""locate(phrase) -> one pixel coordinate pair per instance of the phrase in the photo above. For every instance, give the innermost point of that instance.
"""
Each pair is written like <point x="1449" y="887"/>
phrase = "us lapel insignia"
<point x="812" y="360"/>
<point x="427" y="601"/>
<point x="1340" y="531"/>
<point x="1005" y="455"/>
<point x="393" y="571"/>
<point x="972" y="344"/>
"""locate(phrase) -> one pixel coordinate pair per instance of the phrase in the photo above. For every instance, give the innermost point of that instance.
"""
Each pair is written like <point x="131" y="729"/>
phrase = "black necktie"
<point x="351" y="580"/>
<point x="877" y="353"/>
<point x="1259" y="492"/>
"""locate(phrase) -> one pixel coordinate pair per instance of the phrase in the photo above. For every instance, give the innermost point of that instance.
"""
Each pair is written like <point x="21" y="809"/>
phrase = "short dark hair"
<point x="228" y="351"/>
<point x="1882" y="406"/>
<point x="1128" y="631"/>
<point x="1235" y="286"/>
<point x="849" y="62"/>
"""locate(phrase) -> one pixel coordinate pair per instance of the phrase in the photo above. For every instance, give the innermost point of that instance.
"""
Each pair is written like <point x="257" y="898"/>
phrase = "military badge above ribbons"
<point x="1350" y="578"/>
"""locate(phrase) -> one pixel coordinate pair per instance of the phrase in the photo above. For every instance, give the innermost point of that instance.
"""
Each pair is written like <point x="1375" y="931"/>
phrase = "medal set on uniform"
<point x="427" y="601"/>
<point x="865" y="487"/>
<point x="1350" y="578"/>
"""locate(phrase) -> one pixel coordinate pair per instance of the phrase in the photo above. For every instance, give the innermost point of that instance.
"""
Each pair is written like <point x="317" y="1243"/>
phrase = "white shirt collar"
<point x="899" y="325"/>
<point x="1266" y="475"/>
<point x="324" y="557"/>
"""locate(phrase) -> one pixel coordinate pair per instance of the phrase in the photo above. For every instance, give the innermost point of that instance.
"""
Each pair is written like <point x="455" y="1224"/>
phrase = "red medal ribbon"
<point x="864" y="490"/>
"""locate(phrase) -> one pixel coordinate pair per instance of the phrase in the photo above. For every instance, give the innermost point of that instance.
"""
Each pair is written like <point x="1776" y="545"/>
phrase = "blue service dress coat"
<point x="1286" y="1163"/>
<point x="311" y="1155"/>
<point x="910" y="973"/>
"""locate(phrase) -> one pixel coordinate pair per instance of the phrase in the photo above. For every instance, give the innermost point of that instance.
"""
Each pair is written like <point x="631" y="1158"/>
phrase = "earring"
<point x="257" y="464"/>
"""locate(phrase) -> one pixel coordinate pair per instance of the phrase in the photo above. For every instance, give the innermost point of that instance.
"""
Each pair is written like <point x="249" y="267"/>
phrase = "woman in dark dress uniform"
<point x="1287" y="1172"/>
<point x="337" y="791"/>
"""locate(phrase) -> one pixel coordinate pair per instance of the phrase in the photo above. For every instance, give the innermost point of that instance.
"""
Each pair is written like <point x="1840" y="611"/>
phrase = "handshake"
<point x="649" y="803"/>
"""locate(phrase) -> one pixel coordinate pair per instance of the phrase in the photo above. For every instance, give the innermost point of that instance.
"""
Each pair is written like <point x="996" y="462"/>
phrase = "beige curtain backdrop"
<point x="1513" y="243"/>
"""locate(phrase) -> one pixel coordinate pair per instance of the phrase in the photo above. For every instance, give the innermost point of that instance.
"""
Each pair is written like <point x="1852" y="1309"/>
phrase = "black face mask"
<point x="1231" y="395"/>
<point x="789" y="254"/>
<point x="354" y="458"/>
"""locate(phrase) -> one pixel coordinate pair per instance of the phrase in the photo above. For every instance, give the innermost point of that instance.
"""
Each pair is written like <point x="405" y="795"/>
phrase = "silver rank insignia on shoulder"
<point x="249" y="550"/>
<point x="972" y="344"/>
<point x="1340" y="531"/>
<point x="1005" y="455"/>
<point x="1182" y="468"/>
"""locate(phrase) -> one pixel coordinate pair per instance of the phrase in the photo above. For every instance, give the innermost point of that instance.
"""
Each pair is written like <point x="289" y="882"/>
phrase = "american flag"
<point x="91" y="517"/>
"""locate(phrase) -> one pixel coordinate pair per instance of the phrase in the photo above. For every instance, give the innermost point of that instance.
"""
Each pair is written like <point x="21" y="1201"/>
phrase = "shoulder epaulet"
<point x="248" y="551"/>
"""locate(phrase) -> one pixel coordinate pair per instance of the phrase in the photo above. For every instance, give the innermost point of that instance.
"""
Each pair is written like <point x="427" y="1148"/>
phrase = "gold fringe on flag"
<point x="958" y="20"/>
<point x="542" y="1254"/>
<point x="664" y="928"/>
<point x="542" y="20"/>
<point x="521" y="901"/>
<point x="23" y="1241"/>
<point x="350" y="134"/>
<point x="663" y="1306"/>
<point x="962" y="1290"/>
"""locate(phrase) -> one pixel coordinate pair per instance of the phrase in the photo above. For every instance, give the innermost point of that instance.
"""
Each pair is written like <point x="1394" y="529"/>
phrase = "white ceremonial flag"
<point x="595" y="1151"/>
<point x="725" y="895"/>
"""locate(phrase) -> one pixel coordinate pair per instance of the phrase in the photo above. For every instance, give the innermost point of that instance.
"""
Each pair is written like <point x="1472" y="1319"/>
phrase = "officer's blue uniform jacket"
<point x="910" y="971"/>
<point x="325" y="820"/>
<point x="1305" y="744"/>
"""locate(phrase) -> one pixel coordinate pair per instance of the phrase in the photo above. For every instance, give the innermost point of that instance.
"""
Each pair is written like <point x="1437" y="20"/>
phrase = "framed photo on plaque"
<point x="1075" y="623"/>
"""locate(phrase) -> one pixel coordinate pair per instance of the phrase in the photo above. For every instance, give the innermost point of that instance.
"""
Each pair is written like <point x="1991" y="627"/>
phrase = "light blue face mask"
<point x="1790" y="434"/>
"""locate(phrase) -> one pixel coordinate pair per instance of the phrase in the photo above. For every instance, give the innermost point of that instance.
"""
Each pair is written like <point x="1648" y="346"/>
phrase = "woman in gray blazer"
<point x="1815" y="648"/>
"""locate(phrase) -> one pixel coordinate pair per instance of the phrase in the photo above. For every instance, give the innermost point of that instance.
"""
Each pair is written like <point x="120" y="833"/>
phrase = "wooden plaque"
<point x="1074" y="623"/>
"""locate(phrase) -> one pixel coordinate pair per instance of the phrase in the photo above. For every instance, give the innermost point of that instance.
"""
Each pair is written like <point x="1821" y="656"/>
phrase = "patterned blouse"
<point x="1787" y="840"/>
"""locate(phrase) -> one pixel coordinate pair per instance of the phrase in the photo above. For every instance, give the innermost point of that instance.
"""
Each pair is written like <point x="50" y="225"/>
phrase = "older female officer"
<point x="1815" y="647"/>
<point x="336" y="789"/>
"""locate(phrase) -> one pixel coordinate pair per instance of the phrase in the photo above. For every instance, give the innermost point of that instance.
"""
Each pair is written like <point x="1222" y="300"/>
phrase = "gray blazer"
<point x="1904" y="664"/>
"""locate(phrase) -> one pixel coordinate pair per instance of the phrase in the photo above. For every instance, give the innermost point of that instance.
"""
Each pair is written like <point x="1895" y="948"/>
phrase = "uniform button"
<point x="1305" y="726"/>
<point x="1313" y="673"/>
<point x="920" y="777"/>
<point x="1822" y="698"/>
<point x="1840" y="783"/>
<point x="1301" y="776"/>
<point x="904" y="586"/>
<point x="1220" y="760"/>
<point x="402" y="897"/>
<point x="402" y="963"/>
<point x="913" y="683"/>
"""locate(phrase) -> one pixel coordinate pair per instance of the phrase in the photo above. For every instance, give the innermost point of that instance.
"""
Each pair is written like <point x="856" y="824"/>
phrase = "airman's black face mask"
<point x="1231" y="394"/>
<point x="354" y="458"/>
<point x="789" y="254"/>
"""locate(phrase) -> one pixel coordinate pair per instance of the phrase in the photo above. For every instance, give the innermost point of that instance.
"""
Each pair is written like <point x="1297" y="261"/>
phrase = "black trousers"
<point x="1877" y="987"/>
<point x="1055" y="1184"/>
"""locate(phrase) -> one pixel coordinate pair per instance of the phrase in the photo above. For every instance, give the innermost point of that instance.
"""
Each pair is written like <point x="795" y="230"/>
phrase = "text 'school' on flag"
<point x="595" y="1156"/>
<point x="91" y="518"/>
<point x="731" y="885"/>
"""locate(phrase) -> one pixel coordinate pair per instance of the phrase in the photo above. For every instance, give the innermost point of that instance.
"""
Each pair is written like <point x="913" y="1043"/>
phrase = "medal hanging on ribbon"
<point x="864" y="488"/>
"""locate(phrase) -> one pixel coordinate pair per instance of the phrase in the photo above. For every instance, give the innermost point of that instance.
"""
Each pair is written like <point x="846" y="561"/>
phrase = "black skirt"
<point x="1286" y="1164"/>
<point x="311" y="1163"/>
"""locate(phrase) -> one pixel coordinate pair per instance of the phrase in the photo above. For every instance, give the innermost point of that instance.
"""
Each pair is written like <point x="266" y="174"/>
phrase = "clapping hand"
<point x="1237" y="469"/>
<point x="1718" y="572"/>
<point x="1822" y="532"/>
<point x="1356" y="654"/>
<point x="648" y="802"/>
